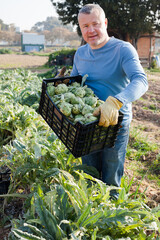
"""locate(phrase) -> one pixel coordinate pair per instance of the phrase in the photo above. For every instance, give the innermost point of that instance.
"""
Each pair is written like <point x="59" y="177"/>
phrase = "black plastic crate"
<point x="80" y="139"/>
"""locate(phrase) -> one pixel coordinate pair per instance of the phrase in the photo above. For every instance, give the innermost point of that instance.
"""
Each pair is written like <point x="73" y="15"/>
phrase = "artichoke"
<point x="92" y="101"/>
<point x="76" y="100"/>
<point x="75" y="84"/>
<point x="65" y="108"/>
<point x="90" y="118"/>
<point x="51" y="90"/>
<point x="68" y="96"/>
<point x="87" y="109"/>
<point x="79" y="118"/>
<point x="76" y="109"/>
<point x="61" y="88"/>
<point x="89" y="92"/>
<point x="99" y="102"/>
<point x="56" y="98"/>
<point x="80" y="92"/>
<point x="72" y="89"/>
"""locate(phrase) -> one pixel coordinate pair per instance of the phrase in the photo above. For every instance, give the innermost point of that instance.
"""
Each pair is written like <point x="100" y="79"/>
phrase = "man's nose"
<point x="90" y="28"/>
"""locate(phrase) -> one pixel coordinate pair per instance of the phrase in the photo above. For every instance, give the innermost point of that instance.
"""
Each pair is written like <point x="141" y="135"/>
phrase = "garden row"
<point x="60" y="201"/>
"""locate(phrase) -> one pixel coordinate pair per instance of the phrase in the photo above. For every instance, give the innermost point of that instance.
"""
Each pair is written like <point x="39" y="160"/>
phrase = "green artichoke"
<point x="61" y="88"/>
<point x="87" y="109"/>
<point x="92" y="101"/>
<point x="51" y="90"/>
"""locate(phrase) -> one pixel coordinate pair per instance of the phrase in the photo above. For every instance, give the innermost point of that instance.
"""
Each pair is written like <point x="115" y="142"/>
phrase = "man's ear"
<point x="106" y="22"/>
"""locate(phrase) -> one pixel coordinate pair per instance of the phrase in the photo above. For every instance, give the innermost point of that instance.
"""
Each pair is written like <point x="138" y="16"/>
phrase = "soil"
<point x="8" y="61"/>
<point x="146" y="116"/>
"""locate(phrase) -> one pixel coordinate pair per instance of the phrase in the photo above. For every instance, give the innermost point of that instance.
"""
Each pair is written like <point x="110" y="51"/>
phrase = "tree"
<point x="10" y="37"/>
<point x="3" y="26"/>
<point x="126" y="17"/>
<point x="54" y="30"/>
<point x="61" y="34"/>
<point x="49" y="24"/>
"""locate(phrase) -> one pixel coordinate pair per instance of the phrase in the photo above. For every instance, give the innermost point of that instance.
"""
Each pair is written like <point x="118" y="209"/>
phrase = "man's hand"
<point x="108" y="112"/>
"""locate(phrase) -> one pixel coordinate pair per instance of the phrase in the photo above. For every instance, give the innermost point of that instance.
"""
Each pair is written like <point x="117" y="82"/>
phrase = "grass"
<point x="152" y="70"/>
<point x="7" y="66"/>
<point x="143" y="156"/>
<point x="46" y="52"/>
<point x="5" y="51"/>
<point x="42" y="54"/>
<point x="153" y="107"/>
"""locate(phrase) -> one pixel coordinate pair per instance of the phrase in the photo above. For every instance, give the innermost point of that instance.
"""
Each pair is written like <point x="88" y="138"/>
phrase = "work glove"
<point x="108" y="112"/>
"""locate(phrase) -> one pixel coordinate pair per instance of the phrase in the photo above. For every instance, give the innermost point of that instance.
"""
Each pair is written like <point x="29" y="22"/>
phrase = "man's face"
<point x="93" y="27"/>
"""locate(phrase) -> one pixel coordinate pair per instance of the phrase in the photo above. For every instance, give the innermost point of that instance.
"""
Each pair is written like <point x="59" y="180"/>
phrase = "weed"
<point x="5" y="51"/>
<point x="140" y="143"/>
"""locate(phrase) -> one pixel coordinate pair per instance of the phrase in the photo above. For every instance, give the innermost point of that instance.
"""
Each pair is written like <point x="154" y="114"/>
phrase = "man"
<point x="117" y="77"/>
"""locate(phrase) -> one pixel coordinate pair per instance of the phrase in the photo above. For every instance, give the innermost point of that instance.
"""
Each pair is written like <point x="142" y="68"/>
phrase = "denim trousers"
<point x="110" y="161"/>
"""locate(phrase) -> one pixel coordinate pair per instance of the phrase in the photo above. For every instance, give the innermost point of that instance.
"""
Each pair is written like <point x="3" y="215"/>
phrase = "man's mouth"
<point x="91" y="37"/>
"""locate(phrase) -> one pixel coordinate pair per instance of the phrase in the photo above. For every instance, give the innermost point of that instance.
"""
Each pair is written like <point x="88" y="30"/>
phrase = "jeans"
<point x="110" y="161"/>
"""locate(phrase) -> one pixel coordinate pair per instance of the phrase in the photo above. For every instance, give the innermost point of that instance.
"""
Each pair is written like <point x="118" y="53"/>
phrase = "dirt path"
<point x="21" y="61"/>
<point x="146" y="110"/>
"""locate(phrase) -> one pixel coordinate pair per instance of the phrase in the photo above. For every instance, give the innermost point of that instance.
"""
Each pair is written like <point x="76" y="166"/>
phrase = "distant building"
<point x="3" y="43"/>
<point x="148" y="48"/>
<point x="17" y="29"/>
<point x="32" y="42"/>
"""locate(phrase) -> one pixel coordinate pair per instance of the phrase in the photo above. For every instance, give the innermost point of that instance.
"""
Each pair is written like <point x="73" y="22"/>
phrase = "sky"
<point x="25" y="13"/>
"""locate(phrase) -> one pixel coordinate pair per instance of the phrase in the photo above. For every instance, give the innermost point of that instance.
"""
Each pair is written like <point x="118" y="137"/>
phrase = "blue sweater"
<point x="113" y="70"/>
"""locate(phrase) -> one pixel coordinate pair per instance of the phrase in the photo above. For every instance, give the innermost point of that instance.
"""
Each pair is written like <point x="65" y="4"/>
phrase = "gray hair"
<point x="88" y="8"/>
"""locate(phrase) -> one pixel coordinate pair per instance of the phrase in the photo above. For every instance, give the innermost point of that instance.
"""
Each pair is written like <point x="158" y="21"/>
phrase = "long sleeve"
<point x="113" y="70"/>
<point x="138" y="80"/>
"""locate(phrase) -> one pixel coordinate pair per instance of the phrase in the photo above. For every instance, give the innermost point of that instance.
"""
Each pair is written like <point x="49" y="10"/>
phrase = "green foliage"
<point x="139" y="149"/>
<point x="4" y="27"/>
<point x="5" y="51"/>
<point x="60" y="200"/>
<point x="154" y="70"/>
<point x="48" y="74"/>
<point x="60" y="56"/>
<point x="74" y="210"/>
<point x="20" y="86"/>
<point x="34" y="53"/>
<point x="131" y="17"/>
<point x="153" y="64"/>
<point x="140" y="145"/>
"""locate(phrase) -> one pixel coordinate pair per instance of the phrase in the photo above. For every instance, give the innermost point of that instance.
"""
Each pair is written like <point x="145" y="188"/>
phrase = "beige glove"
<point x="108" y="112"/>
